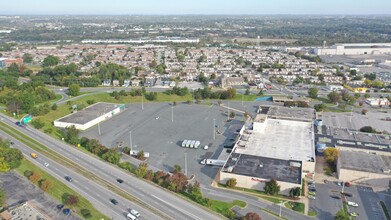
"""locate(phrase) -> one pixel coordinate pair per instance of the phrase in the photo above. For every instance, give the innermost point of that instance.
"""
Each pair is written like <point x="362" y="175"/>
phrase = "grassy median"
<point x="59" y="189"/>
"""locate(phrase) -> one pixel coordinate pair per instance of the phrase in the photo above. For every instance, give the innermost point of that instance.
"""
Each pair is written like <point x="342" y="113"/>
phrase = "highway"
<point x="165" y="202"/>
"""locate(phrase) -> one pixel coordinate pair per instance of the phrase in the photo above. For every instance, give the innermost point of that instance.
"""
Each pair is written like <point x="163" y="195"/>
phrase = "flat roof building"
<point x="279" y="145"/>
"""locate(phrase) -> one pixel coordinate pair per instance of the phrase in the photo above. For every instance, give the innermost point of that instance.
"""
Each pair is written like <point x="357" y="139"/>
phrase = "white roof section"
<point x="281" y="139"/>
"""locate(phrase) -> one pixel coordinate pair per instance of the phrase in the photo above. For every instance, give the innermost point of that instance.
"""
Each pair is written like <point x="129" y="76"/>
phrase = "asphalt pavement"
<point x="160" y="199"/>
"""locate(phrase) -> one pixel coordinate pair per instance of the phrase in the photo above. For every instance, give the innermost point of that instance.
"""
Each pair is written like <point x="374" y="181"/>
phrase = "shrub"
<point x="35" y="177"/>
<point x="272" y="187"/>
<point x="231" y="182"/>
<point x="38" y="124"/>
<point x="86" y="213"/>
<point x="46" y="185"/>
<point x="90" y="102"/>
<point x="28" y="173"/>
<point x="368" y="129"/>
<point x="54" y="107"/>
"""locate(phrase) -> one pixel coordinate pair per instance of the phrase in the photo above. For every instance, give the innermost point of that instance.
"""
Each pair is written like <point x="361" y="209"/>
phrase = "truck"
<point x="188" y="143"/>
<point x="34" y="155"/>
<point x="192" y="144"/>
<point x="213" y="162"/>
<point x="135" y="152"/>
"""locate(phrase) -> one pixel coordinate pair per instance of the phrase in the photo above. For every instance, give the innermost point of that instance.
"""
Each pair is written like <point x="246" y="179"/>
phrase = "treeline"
<point x="10" y="158"/>
<point x="25" y="98"/>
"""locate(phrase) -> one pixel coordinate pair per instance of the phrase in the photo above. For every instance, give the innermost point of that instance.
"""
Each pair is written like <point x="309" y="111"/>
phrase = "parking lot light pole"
<point x="142" y="101"/>
<point x="280" y="208"/>
<point x="343" y="186"/>
<point x="214" y="129"/>
<point x="172" y="113"/>
<point x="130" y="140"/>
<point x="99" y="128"/>
<point x="186" y="164"/>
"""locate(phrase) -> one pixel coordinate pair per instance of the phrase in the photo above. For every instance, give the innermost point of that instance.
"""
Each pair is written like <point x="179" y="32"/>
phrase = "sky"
<point x="178" y="7"/>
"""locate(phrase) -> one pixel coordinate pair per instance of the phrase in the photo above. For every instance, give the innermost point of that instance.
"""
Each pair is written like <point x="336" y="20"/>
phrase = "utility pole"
<point x="214" y="129"/>
<point x="142" y="101"/>
<point x="130" y="140"/>
<point x="343" y="186"/>
<point x="228" y="113"/>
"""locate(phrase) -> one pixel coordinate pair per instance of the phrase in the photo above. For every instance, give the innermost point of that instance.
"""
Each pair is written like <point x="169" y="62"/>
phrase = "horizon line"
<point x="189" y="14"/>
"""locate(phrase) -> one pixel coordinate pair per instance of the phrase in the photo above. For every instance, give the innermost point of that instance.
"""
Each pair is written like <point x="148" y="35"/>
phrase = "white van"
<point x="184" y="143"/>
<point x="192" y="144"/>
<point x="188" y="143"/>
<point x="197" y="143"/>
<point x="131" y="217"/>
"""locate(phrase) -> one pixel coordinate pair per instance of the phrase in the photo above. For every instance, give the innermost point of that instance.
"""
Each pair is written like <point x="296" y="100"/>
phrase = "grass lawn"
<point x="223" y="207"/>
<point x="295" y="206"/>
<point x="274" y="199"/>
<point x="312" y="213"/>
<point x="60" y="188"/>
<point x="246" y="98"/>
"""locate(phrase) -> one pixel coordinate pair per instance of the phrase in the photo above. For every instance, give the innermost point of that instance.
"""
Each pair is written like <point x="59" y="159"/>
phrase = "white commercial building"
<point x="377" y="101"/>
<point x="355" y="49"/>
<point x="280" y="145"/>
<point x="89" y="116"/>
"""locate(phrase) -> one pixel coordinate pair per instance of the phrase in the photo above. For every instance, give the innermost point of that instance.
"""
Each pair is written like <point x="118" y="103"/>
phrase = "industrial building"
<point x="355" y="49"/>
<point x="279" y="144"/>
<point x="90" y="116"/>
<point x="377" y="101"/>
<point x="365" y="168"/>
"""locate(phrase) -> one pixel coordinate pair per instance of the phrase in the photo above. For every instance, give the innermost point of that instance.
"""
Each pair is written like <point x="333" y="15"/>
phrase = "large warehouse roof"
<point x="265" y="168"/>
<point x="281" y="139"/>
<point x="89" y="113"/>
<point x="362" y="161"/>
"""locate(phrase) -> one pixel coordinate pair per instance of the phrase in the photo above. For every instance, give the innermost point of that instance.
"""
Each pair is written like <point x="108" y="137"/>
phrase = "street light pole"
<point x="142" y="101"/>
<point x="99" y="128"/>
<point x="130" y="140"/>
<point x="185" y="163"/>
<point x="172" y="113"/>
<point x="214" y="129"/>
<point x="228" y="112"/>
<point x="280" y="208"/>
<point x="343" y="186"/>
<point x="242" y="99"/>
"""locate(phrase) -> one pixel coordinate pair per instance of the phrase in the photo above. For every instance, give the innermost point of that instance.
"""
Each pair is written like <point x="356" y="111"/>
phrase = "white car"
<point x="311" y="197"/>
<point x="46" y="164"/>
<point x="352" y="204"/>
<point x="135" y="213"/>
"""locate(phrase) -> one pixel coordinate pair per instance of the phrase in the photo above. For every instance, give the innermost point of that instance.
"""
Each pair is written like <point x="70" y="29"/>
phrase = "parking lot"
<point x="327" y="203"/>
<point x="160" y="128"/>
<point x="19" y="190"/>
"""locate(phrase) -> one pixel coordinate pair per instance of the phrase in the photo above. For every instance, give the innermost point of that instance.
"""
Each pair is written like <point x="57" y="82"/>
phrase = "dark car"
<point x="348" y="194"/>
<point x="115" y="202"/>
<point x="335" y="197"/>
<point x="66" y="211"/>
<point x="120" y="180"/>
<point x="60" y="206"/>
<point x="312" y="189"/>
<point x="68" y="178"/>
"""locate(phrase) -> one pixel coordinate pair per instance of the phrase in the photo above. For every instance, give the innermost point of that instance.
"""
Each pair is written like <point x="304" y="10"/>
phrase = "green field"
<point x="60" y="188"/>
<point x="224" y="207"/>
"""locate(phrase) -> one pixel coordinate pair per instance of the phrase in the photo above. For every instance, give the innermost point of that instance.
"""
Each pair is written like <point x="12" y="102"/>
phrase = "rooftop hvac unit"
<point x="294" y="164"/>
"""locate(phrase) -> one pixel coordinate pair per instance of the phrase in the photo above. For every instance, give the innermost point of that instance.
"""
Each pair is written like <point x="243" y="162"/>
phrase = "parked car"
<point x="348" y="194"/>
<point x="326" y="181"/>
<point x="354" y="214"/>
<point x="115" y="202"/>
<point x="350" y="203"/>
<point x="135" y="213"/>
<point x="312" y="193"/>
<point x="120" y="180"/>
<point x="335" y="197"/>
<point x="60" y="206"/>
<point x="312" y="189"/>
<point x="66" y="211"/>
<point x="68" y="178"/>
<point x="311" y="197"/>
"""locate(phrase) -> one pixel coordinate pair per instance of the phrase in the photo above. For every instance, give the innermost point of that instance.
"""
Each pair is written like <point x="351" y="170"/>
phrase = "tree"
<point x="54" y="107"/>
<point x="37" y="123"/>
<point x="3" y="195"/>
<point x="71" y="200"/>
<point x="334" y="97"/>
<point x="368" y="129"/>
<point x="112" y="156"/>
<point x="357" y="95"/>
<point x="4" y="167"/>
<point x="295" y="192"/>
<point x="320" y="107"/>
<point x="50" y="61"/>
<point x="231" y="182"/>
<point x="232" y="114"/>
<point x="177" y="182"/>
<point x="72" y="135"/>
<point x="313" y="93"/>
<point x="74" y="90"/>
<point x="272" y="187"/>
<point x="366" y="95"/>
<point x="342" y="215"/>
<point x="86" y="213"/>
<point x="364" y="111"/>
<point x="177" y="168"/>
<point x="46" y="185"/>
<point x="27" y="58"/>
<point x="331" y="155"/>
<point x="35" y="177"/>
<point x="142" y="170"/>
<point x="247" y="92"/>
<point x="251" y="216"/>
<point x="140" y="155"/>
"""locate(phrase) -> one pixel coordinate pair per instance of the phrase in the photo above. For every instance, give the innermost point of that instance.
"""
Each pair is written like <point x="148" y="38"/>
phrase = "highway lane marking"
<point x="176" y="207"/>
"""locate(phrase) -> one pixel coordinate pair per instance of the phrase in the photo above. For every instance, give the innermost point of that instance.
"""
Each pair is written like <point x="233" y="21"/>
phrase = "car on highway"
<point x="350" y="203"/>
<point x="114" y="201"/>
<point x="12" y="143"/>
<point x="68" y="178"/>
<point x="131" y="217"/>
<point x="353" y="214"/>
<point x="134" y="212"/>
<point x="46" y="164"/>
<point x="311" y="197"/>
<point x="120" y="180"/>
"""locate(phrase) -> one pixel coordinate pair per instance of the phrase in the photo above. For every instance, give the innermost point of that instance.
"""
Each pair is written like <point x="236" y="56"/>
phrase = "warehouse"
<point x="279" y="145"/>
<point x="90" y="116"/>
<point x="355" y="49"/>
<point x="365" y="168"/>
